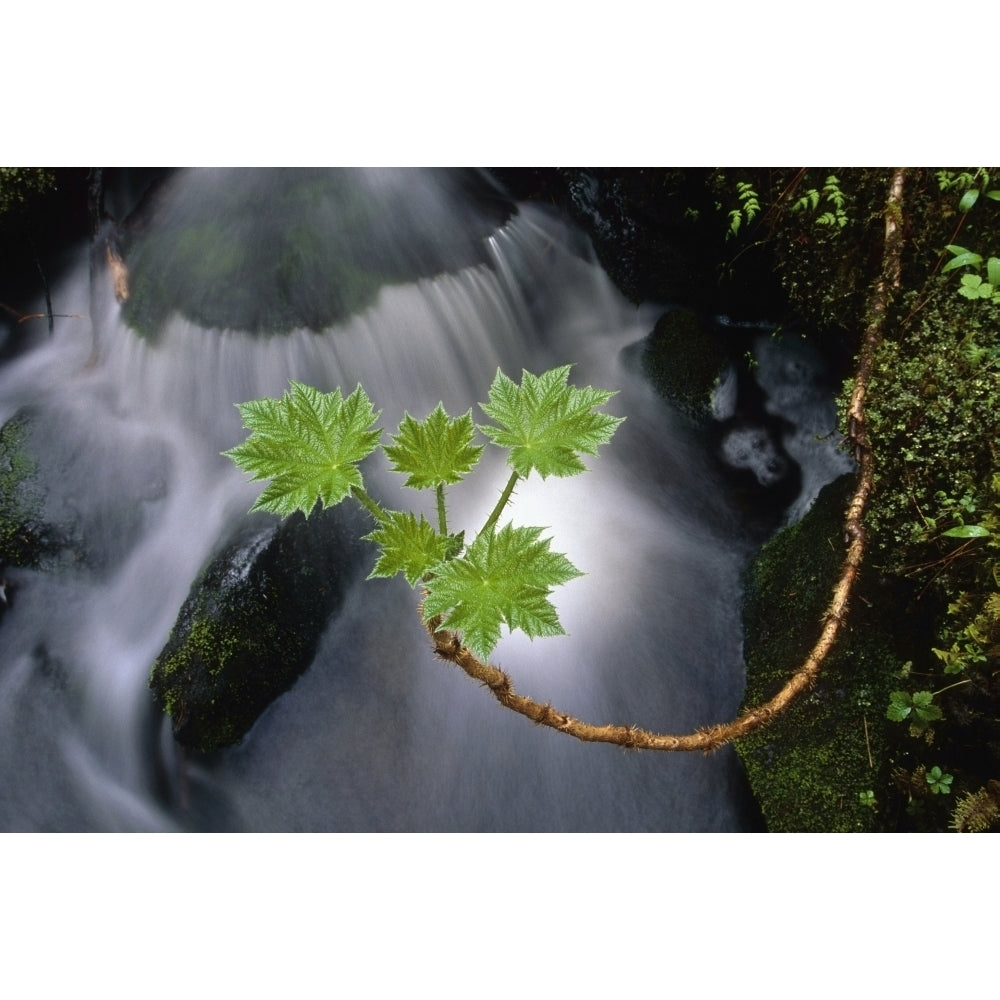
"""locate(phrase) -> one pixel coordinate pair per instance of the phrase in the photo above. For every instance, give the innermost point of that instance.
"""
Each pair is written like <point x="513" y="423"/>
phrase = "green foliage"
<point x="803" y="765"/>
<point x="24" y="540"/>
<point x="748" y="210"/>
<point x="867" y="798"/>
<point x="436" y="450"/>
<point x="934" y="419"/>
<point x="408" y="546"/>
<point x="505" y="577"/>
<point x="970" y="184"/>
<point x="918" y="708"/>
<point x="825" y="223"/>
<point x="309" y="444"/>
<point x="934" y="416"/>
<point x="18" y="185"/>
<point x="834" y="203"/>
<point x="972" y="286"/>
<point x="546" y="423"/>
<point x="939" y="782"/>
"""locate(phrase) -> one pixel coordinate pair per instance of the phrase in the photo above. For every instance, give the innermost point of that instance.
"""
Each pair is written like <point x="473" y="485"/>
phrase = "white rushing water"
<point x="377" y="734"/>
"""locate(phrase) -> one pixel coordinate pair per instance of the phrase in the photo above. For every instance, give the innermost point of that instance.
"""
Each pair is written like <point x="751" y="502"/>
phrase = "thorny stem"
<point x="442" y="513"/>
<point x="370" y="505"/>
<point x="448" y="645"/>
<point x="501" y="503"/>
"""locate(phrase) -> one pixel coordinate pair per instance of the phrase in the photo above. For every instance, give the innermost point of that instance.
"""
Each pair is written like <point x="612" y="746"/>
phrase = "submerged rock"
<point x="251" y="625"/>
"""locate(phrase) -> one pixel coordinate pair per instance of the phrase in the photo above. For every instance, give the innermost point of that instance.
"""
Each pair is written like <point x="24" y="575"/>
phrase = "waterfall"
<point x="376" y="735"/>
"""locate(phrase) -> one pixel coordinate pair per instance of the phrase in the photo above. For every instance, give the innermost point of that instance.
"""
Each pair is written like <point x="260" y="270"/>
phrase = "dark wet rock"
<point x="26" y="539"/>
<point x="685" y="362"/>
<point x="251" y="625"/>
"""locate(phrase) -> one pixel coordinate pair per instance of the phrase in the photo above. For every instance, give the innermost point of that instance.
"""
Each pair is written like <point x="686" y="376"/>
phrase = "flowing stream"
<point x="377" y="734"/>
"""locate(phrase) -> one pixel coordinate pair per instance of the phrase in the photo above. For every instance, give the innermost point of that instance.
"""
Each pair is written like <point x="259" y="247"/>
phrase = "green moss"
<point x="934" y="414"/>
<point x="808" y="768"/>
<point x="684" y="361"/>
<point x="250" y="627"/>
<point x="19" y="185"/>
<point x="23" y="539"/>
<point x="311" y="253"/>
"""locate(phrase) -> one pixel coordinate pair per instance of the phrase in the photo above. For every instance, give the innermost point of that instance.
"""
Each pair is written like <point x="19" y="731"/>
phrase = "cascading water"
<point x="377" y="734"/>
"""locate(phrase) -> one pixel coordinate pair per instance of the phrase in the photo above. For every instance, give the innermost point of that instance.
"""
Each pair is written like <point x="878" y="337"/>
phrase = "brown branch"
<point x="23" y="317"/>
<point x="448" y="646"/>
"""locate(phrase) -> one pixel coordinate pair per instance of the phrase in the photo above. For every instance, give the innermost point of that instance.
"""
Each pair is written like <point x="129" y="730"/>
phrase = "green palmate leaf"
<point x="505" y="577"/>
<point x="900" y="706"/>
<point x="546" y="423"/>
<point x="435" y="450"/>
<point x="408" y="546"/>
<point x="308" y="443"/>
<point x="940" y="783"/>
<point x="924" y="707"/>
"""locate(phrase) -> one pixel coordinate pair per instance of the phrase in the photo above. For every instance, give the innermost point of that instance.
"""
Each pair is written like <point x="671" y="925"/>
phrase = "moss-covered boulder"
<point x="684" y="361"/>
<point x="25" y="537"/>
<point x="812" y="768"/>
<point x="270" y="251"/>
<point x="251" y="625"/>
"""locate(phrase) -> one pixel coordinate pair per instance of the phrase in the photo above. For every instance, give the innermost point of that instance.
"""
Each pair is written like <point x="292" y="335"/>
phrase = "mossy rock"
<point x="809" y="767"/>
<point x="25" y="538"/>
<point x="251" y="626"/>
<point x="271" y="251"/>
<point x="684" y="361"/>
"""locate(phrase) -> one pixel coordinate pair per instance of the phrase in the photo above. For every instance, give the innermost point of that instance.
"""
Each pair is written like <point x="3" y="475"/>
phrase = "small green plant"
<point x="918" y="708"/>
<point x="830" y="198"/>
<point x="973" y="286"/>
<point x="938" y="781"/>
<point x="867" y="798"/>
<point x="971" y="184"/>
<point x="310" y="444"/>
<point x="748" y="210"/>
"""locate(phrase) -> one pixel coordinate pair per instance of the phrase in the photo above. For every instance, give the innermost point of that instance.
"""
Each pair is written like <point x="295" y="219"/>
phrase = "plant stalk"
<point x="934" y="694"/>
<point x="359" y="494"/>
<point x="501" y="503"/>
<point x="442" y="513"/>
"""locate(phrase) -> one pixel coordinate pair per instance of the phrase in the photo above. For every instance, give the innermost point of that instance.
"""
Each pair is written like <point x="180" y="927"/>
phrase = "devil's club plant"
<point x="310" y="444"/>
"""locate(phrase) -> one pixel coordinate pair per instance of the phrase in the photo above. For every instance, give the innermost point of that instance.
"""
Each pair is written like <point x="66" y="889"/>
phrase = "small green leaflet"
<point x="504" y="577"/>
<point x="920" y="703"/>
<point x="408" y="546"/>
<point x="308" y="443"/>
<point x="546" y="423"/>
<point x="435" y="450"/>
